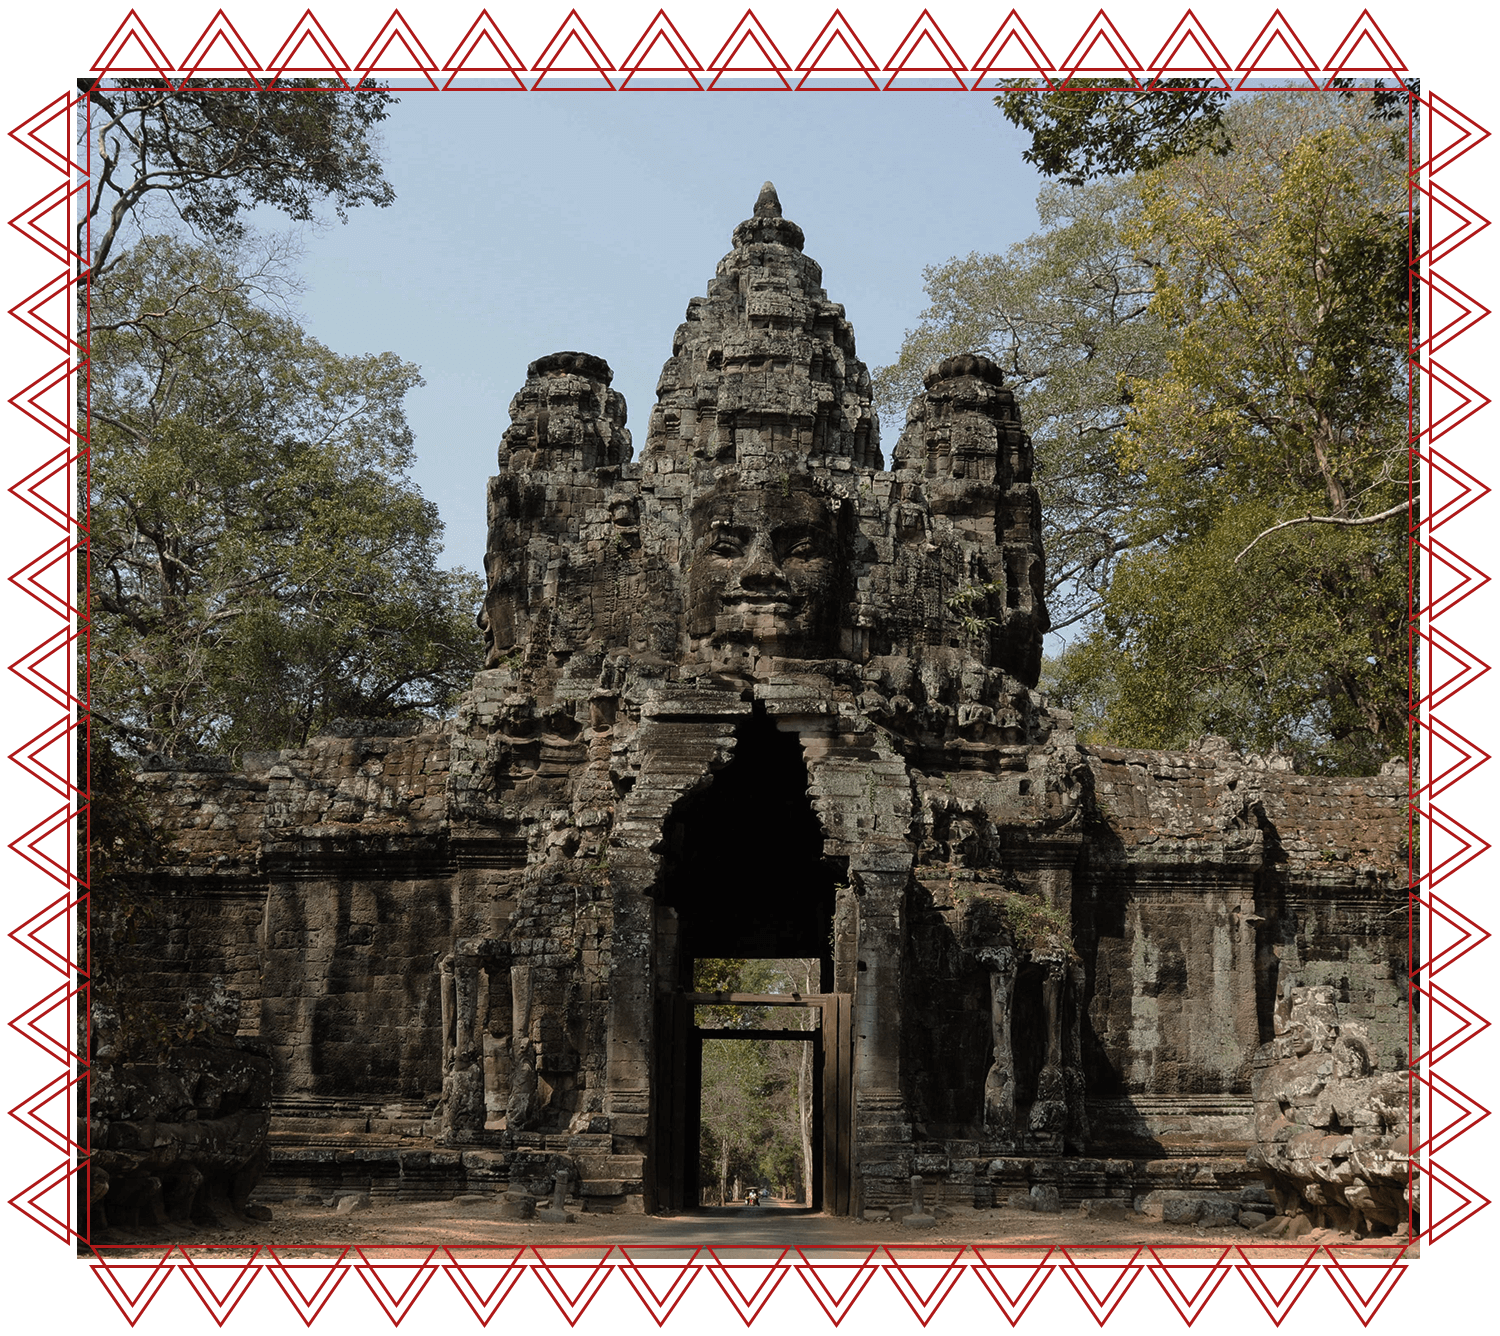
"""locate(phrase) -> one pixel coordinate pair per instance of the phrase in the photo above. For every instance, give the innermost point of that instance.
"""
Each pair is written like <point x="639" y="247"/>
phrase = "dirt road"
<point x="472" y="1221"/>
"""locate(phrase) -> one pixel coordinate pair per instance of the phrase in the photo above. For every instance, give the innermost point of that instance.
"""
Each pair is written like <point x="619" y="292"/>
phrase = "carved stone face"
<point x="763" y="575"/>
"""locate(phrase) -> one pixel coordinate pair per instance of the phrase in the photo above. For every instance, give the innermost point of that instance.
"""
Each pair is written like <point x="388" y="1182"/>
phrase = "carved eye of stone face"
<point x="728" y="541"/>
<point x="799" y="544"/>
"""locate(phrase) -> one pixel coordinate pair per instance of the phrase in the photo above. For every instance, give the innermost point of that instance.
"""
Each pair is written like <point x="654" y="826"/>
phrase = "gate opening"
<point x="743" y="865"/>
<point x="746" y="892"/>
<point x="760" y="1071"/>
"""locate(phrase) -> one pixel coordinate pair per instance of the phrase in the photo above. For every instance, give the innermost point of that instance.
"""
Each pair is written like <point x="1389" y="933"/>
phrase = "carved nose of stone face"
<point x="762" y="573"/>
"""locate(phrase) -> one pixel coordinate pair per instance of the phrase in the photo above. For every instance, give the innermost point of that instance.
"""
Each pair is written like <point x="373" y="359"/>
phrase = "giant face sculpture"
<point x="764" y="574"/>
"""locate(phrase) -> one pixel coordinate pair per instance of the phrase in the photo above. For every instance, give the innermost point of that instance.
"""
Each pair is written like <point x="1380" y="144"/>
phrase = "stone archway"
<point x="744" y="875"/>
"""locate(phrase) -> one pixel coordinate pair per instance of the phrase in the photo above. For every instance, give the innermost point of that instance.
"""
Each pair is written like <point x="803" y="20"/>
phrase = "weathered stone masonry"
<point x="1062" y="961"/>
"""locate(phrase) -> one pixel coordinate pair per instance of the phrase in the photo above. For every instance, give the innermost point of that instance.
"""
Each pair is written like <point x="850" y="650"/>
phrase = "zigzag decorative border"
<point x="748" y="58"/>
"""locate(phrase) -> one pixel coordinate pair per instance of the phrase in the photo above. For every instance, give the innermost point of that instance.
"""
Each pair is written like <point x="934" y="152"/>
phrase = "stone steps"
<point x="606" y="1180"/>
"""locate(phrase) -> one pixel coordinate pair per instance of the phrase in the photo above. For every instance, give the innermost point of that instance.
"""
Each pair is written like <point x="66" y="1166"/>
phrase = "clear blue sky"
<point x="529" y="223"/>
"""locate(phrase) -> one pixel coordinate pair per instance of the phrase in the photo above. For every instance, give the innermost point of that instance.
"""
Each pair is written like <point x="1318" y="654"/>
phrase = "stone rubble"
<point x="1334" y="1134"/>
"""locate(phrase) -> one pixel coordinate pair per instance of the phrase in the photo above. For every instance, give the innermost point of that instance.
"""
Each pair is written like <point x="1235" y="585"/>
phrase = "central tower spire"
<point x="763" y="370"/>
<point x="768" y="203"/>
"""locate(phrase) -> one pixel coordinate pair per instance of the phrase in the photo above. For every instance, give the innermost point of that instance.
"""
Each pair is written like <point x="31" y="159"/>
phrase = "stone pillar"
<point x="521" y="1110"/>
<point x="481" y="1011"/>
<point x="1000" y="1081"/>
<point x="880" y="1112"/>
<point x="845" y="939"/>
<point x="1049" y="1115"/>
<point x="1052" y="988"/>
<point x="463" y="1074"/>
<point x="445" y="993"/>
<point x="627" y="1093"/>
<point x="919" y="1217"/>
<point x="1076" y="1133"/>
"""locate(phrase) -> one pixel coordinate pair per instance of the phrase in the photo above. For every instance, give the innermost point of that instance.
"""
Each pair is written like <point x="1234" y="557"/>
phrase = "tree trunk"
<point x="805" y="1097"/>
<point x="723" y="1169"/>
<point x="805" y="1116"/>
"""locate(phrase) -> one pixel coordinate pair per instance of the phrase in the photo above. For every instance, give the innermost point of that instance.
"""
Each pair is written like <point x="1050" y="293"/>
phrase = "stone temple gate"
<point x="756" y="694"/>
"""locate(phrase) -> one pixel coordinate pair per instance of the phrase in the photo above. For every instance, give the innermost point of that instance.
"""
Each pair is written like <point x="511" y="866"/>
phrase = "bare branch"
<point x="1077" y="616"/>
<point x="1327" y="519"/>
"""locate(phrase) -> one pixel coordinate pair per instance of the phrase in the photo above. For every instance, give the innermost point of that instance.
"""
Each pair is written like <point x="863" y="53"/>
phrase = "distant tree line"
<point x="757" y="1095"/>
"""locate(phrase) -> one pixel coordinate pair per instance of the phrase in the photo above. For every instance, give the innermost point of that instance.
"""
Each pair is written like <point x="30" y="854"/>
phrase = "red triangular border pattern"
<point x="750" y="60"/>
<point x="839" y="57"/>
<point x="1100" y="54"/>
<point x="1190" y="1282"/>
<point x="836" y="1283"/>
<point x="1276" y="1275"/>
<point x="1277" y="56"/>
<point x="308" y="1282"/>
<point x="926" y="58"/>
<point x="1101" y="1276"/>
<point x="220" y="50"/>
<point x="1189" y="52"/>
<point x="395" y="52"/>
<point x="559" y="60"/>
<point x="1016" y="55"/>
<point x="485" y="1281"/>
<point x="485" y="50"/>
<point x="1365" y="52"/>
<point x="660" y="1275"/>
<point x="1012" y="1275"/>
<point x="662" y="54"/>
<point x="748" y="1281"/>
<point x="571" y="1281"/>
<point x="309" y="53"/>
<point x="396" y="1283"/>
<point x="219" y="1284"/>
<point x="925" y="1276"/>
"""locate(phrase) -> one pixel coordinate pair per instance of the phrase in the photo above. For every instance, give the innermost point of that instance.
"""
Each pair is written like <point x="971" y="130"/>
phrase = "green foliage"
<point x="1080" y="134"/>
<point x="260" y="563"/>
<point x="1034" y="924"/>
<point x="962" y="605"/>
<point x="1284" y="266"/>
<point x="753" y="1091"/>
<point x="1080" y="679"/>
<point x="1077" y="135"/>
<point x="1211" y="357"/>
<point x="715" y="975"/>
<point x="1066" y="314"/>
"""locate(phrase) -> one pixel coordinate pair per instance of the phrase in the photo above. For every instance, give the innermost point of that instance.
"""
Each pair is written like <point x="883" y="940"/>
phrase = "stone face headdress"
<point x="759" y="534"/>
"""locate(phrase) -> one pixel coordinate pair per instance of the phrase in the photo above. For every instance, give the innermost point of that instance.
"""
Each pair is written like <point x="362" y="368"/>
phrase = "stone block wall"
<point x="1212" y="883"/>
<point x="352" y="1000"/>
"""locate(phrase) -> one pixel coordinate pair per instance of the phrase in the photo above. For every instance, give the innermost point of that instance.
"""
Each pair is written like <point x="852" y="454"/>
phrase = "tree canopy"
<point x="261" y="565"/>
<point x="1211" y="355"/>
<point x="1078" y="134"/>
<point x="216" y="155"/>
<point x="1067" y="314"/>
<point x="1113" y="127"/>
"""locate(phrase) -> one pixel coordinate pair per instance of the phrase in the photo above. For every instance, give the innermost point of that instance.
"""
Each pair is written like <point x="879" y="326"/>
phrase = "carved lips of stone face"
<point x="763" y="574"/>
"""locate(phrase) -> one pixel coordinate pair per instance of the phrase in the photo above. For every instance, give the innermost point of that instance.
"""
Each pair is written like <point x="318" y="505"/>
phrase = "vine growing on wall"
<point x="1033" y="922"/>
